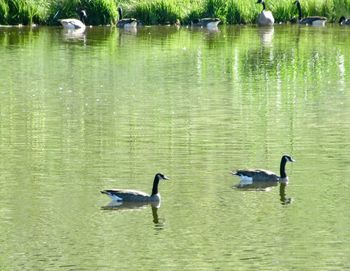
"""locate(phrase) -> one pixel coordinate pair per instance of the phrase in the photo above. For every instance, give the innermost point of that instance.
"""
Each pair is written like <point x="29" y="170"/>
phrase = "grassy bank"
<point x="163" y="11"/>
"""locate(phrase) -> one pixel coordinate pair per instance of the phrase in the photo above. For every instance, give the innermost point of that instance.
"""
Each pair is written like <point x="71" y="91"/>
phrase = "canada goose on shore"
<point x="127" y="195"/>
<point x="344" y="21"/>
<point x="75" y="23"/>
<point x="265" y="17"/>
<point x="127" y="22"/>
<point x="210" y="23"/>
<point x="312" y="20"/>
<point x="260" y="178"/>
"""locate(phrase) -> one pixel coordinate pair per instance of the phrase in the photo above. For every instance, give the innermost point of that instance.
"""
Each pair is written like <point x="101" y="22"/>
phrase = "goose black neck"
<point x="263" y="4"/>
<point x="155" y="185"/>
<point x="342" y="19"/>
<point x="283" y="168"/>
<point x="120" y="12"/>
<point x="299" y="10"/>
<point x="83" y="16"/>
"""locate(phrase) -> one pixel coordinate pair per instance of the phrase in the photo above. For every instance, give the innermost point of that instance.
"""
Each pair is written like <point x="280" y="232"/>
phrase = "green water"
<point x="110" y="108"/>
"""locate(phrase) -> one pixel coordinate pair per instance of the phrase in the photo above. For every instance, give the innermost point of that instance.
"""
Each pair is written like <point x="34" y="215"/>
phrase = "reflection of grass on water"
<point x="163" y="11"/>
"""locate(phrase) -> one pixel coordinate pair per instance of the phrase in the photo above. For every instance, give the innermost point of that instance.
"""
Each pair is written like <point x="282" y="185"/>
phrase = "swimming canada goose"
<point x="75" y="23"/>
<point x="344" y="21"/>
<point x="127" y="195"/>
<point x="312" y="20"/>
<point x="206" y="22"/>
<point x="260" y="178"/>
<point x="265" y="17"/>
<point x="127" y="22"/>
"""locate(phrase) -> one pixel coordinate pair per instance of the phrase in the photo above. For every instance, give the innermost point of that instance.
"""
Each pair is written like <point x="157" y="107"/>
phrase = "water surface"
<point x="109" y="108"/>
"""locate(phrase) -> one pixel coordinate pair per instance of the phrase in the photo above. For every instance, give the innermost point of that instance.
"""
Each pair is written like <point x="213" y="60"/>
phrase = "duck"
<point x="261" y="178"/>
<point x="128" y="195"/>
<point x="344" y="21"/>
<point x="265" y="17"/>
<point x="75" y="23"/>
<point x="312" y="20"/>
<point x="210" y="23"/>
<point x="127" y="22"/>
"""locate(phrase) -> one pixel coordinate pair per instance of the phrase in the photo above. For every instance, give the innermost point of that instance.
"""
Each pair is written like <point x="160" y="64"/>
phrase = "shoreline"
<point x="162" y="12"/>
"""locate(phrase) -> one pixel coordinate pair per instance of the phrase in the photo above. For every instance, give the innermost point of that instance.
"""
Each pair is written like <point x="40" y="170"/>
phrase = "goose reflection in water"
<point x="137" y="206"/>
<point x="127" y="31"/>
<point x="282" y="192"/>
<point x="266" y="35"/>
<point x="74" y="35"/>
<point x="283" y="197"/>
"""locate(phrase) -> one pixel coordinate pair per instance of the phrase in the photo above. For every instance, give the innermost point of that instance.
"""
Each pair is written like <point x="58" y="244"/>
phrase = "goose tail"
<point x="111" y="195"/>
<point x="234" y="172"/>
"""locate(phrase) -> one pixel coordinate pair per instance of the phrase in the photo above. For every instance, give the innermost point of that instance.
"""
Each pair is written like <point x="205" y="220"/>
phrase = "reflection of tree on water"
<point x="133" y="206"/>
<point x="283" y="197"/>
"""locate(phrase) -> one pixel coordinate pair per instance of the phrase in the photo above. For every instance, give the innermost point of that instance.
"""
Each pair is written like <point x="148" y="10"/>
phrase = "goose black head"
<point x="161" y="176"/>
<point x="263" y="4"/>
<point x="297" y="3"/>
<point x="288" y="158"/>
<point x="342" y="19"/>
<point x="83" y="15"/>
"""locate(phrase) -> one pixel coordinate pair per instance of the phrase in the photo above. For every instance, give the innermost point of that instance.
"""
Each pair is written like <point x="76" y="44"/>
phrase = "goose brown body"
<point x="344" y="21"/>
<point x="311" y="20"/>
<point x="75" y="23"/>
<point x="129" y="195"/>
<point x="265" y="17"/>
<point x="206" y="22"/>
<point x="125" y="22"/>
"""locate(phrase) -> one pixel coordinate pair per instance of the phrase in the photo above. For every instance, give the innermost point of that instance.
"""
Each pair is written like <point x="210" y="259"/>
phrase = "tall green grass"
<point x="98" y="11"/>
<point x="23" y="11"/>
<point x="157" y="12"/>
<point x="164" y="11"/>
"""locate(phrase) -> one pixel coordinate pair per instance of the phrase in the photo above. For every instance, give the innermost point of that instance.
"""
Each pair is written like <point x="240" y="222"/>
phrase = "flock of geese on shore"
<point x="250" y="179"/>
<point x="265" y="18"/>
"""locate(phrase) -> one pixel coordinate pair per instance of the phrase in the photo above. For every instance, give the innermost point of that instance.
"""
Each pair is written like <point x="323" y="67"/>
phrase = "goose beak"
<point x="166" y="178"/>
<point x="292" y="160"/>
